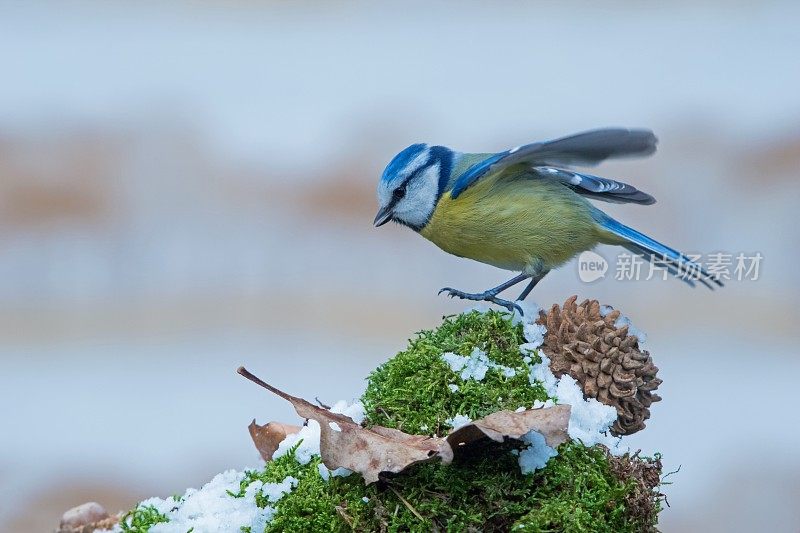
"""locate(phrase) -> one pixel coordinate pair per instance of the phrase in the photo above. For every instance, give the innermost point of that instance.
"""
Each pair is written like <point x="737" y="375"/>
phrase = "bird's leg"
<point x="491" y="294"/>
<point x="531" y="285"/>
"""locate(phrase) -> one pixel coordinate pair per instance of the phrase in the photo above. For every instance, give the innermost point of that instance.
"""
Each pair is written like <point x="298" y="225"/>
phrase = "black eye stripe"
<point x="400" y="192"/>
<point x="404" y="186"/>
<point x="401" y="189"/>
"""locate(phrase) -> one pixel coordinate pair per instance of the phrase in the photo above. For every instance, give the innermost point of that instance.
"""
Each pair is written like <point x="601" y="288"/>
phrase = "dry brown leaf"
<point x="374" y="451"/>
<point x="269" y="436"/>
<point x="343" y="443"/>
<point x="551" y="422"/>
<point x="378" y="450"/>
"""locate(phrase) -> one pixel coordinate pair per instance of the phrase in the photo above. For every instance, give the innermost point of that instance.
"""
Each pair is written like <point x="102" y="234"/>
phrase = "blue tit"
<point x="524" y="209"/>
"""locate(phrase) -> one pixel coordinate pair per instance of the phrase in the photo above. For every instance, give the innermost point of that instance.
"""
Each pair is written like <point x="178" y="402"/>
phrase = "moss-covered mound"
<point x="417" y="391"/>
<point x="580" y="489"/>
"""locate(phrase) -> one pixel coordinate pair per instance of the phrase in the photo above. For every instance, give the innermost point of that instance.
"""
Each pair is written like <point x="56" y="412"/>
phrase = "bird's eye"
<point x="399" y="192"/>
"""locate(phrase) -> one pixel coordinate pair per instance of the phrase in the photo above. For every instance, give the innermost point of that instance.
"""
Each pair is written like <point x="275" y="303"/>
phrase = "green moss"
<point x="411" y="391"/>
<point x="141" y="519"/>
<point x="577" y="491"/>
<point x="320" y="505"/>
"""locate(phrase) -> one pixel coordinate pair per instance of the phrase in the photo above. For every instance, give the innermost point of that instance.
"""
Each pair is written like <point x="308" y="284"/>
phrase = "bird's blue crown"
<point x="402" y="160"/>
<point x="417" y="158"/>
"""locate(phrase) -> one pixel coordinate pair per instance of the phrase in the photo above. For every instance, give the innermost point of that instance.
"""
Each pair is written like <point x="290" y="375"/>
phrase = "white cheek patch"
<point x="417" y="206"/>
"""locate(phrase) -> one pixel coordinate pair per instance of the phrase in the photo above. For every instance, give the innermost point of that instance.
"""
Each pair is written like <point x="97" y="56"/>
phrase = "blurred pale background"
<point x="189" y="187"/>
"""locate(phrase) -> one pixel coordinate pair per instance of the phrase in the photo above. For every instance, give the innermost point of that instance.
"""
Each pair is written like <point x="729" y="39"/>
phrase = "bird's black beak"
<point x="384" y="215"/>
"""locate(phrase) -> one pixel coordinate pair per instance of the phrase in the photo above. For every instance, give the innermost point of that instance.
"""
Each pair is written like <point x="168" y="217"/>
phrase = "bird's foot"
<point x="486" y="296"/>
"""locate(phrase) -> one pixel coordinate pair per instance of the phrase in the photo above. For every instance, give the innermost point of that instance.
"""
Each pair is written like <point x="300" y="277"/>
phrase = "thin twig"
<point x="665" y="476"/>
<point x="405" y="502"/>
<point x="344" y="515"/>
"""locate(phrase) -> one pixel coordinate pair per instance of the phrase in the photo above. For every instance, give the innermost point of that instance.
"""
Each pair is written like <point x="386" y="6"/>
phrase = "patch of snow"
<point x="365" y="499"/>
<point x="354" y="410"/>
<point x="211" y="509"/>
<point x="453" y="387"/>
<point x="527" y="348"/>
<point x="475" y="365"/>
<point x="506" y="371"/>
<point x="458" y="421"/>
<point x="530" y="310"/>
<point x="589" y="419"/>
<point x="455" y="361"/>
<point x="625" y="321"/>
<point x="308" y="437"/>
<point x="534" y="333"/>
<point x="276" y="491"/>
<point x="341" y="472"/>
<point x="541" y="373"/>
<point x="536" y="454"/>
<point x="167" y="505"/>
<point x="324" y="473"/>
<point x="335" y="426"/>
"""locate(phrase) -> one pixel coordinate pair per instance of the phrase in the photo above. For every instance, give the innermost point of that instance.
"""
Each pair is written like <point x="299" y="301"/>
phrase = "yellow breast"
<point x="516" y="224"/>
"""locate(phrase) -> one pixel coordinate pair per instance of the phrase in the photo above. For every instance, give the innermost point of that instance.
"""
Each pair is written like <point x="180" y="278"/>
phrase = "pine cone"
<point x="605" y="360"/>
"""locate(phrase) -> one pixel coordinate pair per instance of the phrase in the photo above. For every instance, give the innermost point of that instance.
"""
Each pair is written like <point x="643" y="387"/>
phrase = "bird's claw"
<point x="452" y="293"/>
<point x="483" y="297"/>
<point x="517" y="307"/>
<point x="511" y="306"/>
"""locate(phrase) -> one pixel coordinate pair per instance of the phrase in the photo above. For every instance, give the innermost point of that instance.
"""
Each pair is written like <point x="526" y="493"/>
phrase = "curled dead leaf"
<point x="343" y="443"/>
<point x="551" y="422"/>
<point x="269" y="436"/>
<point x="379" y="450"/>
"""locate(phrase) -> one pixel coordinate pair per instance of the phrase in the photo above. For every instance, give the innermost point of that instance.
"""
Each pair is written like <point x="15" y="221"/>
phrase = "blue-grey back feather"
<point x="583" y="149"/>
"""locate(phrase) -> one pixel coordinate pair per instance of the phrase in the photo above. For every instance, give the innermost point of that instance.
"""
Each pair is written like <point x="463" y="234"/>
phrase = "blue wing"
<point x="584" y="149"/>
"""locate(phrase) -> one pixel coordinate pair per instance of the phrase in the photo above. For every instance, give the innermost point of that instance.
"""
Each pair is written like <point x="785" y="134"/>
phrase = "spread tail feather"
<point x="675" y="262"/>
